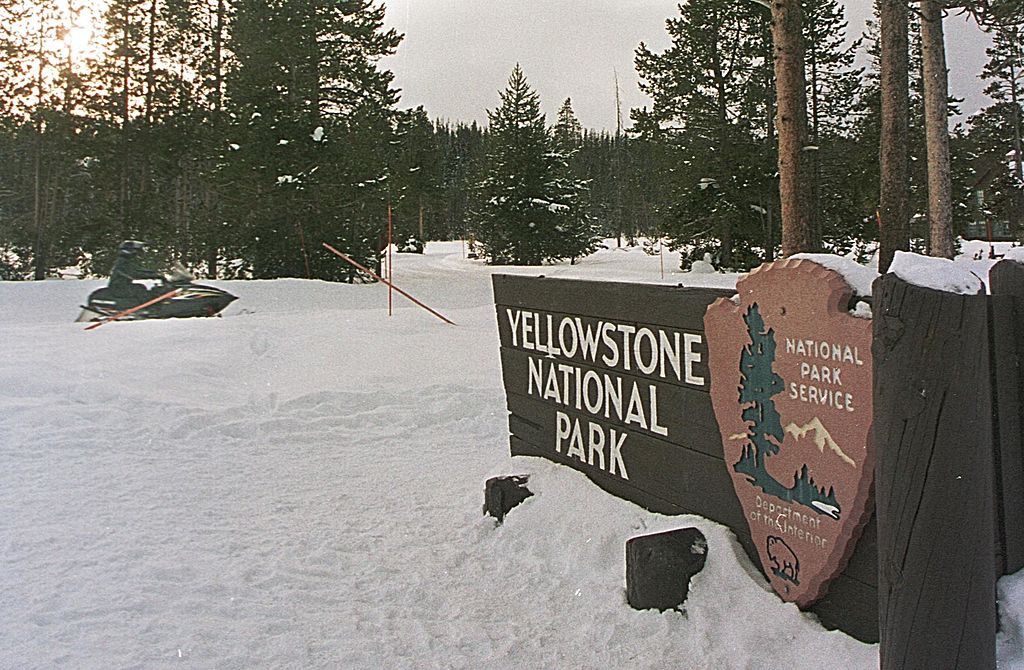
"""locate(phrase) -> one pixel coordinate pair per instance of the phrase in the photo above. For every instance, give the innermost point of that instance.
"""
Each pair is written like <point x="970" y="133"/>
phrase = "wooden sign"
<point x="611" y="379"/>
<point x="791" y="389"/>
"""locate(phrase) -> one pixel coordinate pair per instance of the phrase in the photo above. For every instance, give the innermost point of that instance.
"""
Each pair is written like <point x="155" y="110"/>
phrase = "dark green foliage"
<point x="237" y="135"/>
<point x="219" y="131"/>
<point x="833" y="83"/>
<point x="531" y="209"/>
<point x="712" y="113"/>
<point x="992" y="191"/>
<point x="462" y="162"/>
<point x="713" y="117"/>
<point x="313" y="125"/>
<point x="567" y="133"/>
<point x="416" y="189"/>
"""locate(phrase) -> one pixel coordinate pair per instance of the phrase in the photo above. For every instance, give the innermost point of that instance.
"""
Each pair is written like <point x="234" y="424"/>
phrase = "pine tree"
<point x="567" y="133"/>
<point x="936" y="117"/>
<point x="711" y="93"/>
<point x="313" y="126"/>
<point x="832" y="85"/>
<point x="894" y="205"/>
<point x="1004" y="73"/>
<point x="462" y="159"/>
<point x="417" y="178"/>
<point x="798" y="234"/>
<point x="531" y="211"/>
<point x="39" y="117"/>
<point x="991" y="141"/>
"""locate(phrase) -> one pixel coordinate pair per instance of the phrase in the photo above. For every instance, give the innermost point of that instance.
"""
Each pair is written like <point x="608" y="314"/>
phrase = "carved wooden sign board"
<point x="611" y="379"/>
<point x="752" y="414"/>
<point x="792" y="390"/>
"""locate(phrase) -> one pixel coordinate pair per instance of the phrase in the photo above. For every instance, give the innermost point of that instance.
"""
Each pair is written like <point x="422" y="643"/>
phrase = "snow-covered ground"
<point x="299" y="485"/>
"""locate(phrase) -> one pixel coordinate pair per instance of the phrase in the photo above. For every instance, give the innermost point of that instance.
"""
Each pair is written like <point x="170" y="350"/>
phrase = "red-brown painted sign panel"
<point x="791" y="388"/>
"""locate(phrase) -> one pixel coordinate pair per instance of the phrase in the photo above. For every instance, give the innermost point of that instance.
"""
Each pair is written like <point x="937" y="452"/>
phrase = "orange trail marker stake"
<point x="126" y="312"/>
<point x="391" y="269"/>
<point x="381" y="279"/>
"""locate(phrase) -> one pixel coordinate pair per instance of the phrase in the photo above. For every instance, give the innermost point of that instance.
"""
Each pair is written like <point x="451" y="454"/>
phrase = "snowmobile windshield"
<point x="178" y="273"/>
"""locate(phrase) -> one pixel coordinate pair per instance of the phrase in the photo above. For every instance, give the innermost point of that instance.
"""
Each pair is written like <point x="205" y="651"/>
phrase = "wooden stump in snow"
<point x="659" y="567"/>
<point x="501" y="494"/>
<point x="934" y="485"/>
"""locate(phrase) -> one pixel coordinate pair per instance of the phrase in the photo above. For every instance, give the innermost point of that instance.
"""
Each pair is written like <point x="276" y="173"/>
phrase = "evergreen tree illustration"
<point x="759" y="383"/>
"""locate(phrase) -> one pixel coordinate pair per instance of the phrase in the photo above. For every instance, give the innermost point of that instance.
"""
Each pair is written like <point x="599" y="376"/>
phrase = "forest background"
<point x="237" y="135"/>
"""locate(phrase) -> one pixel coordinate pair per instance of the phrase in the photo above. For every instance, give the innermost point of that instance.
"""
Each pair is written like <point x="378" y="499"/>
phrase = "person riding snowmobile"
<point x="175" y="296"/>
<point x="127" y="269"/>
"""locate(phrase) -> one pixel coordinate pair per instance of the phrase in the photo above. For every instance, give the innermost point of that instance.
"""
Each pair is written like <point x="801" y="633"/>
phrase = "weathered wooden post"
<point x="1006" y="281"/>
<point x="934" y="482"/>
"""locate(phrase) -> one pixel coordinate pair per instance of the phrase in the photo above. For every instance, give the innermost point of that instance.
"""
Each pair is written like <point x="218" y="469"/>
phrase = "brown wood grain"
<point x="934" y="478"/>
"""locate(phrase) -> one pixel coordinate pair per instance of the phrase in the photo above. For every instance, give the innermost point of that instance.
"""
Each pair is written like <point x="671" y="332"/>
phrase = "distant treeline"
<point x="238" y="135"/>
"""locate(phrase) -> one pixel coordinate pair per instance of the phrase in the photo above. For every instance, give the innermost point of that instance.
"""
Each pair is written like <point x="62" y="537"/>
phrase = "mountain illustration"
<point x="822" y="438"/>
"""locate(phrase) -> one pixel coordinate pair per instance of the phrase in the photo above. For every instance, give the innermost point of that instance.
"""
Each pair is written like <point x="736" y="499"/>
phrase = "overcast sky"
<point x="458" y="54"/>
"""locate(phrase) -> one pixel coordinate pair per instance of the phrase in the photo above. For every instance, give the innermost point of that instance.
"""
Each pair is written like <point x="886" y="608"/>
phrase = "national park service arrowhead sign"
<point x="791" y="388"/>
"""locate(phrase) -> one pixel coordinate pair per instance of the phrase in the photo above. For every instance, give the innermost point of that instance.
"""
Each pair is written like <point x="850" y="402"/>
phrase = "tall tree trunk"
<point x="68" y="80"/>
<point x="125" y="156"/>
<point x="218" y="59"/>
<point x="894" y="205"/>
<point x="770" y="144"/>
<point x="39" y="247"/>
<point x="151" y="63"/>
<point x="211" y="194"/>
<point x="723" y="224"/>
<point x="814" y="155"/>
<point x="936" y="122"/>
<point x="790" y="82"/>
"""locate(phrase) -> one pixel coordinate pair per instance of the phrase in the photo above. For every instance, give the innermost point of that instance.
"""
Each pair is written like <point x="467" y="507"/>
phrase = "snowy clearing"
<point x="299" y="485"/>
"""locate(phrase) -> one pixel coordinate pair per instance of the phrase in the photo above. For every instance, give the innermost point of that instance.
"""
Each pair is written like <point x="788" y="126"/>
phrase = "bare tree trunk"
<point x="791" y="84"/>
<point x="936" y="122"/>
<point x="218" y="58"/>
<point x="39" y="247"/>
<point x="151" y="63"/>
<point x="723" y="225"/>
<point x="770" y="139"/>
<point x="894" y="205"/>
<point x="211" y="197"/>
<point x="125" y="157"/>
<point x="813" y="156"/>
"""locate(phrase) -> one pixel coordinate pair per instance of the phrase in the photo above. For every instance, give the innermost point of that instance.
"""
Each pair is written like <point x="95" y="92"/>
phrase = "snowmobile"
<point x="190" y="300"/>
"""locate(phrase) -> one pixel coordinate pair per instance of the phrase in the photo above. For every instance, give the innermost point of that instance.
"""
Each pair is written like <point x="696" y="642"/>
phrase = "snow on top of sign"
<point x="940" y="274"/>
<point x="1015" y="254"/>
<point x="858" y="276"/>
<point x="861" y="310"/>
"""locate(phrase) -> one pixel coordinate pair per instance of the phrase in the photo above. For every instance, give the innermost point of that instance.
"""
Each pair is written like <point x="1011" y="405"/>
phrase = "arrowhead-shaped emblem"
<point x="791" y="386"/>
